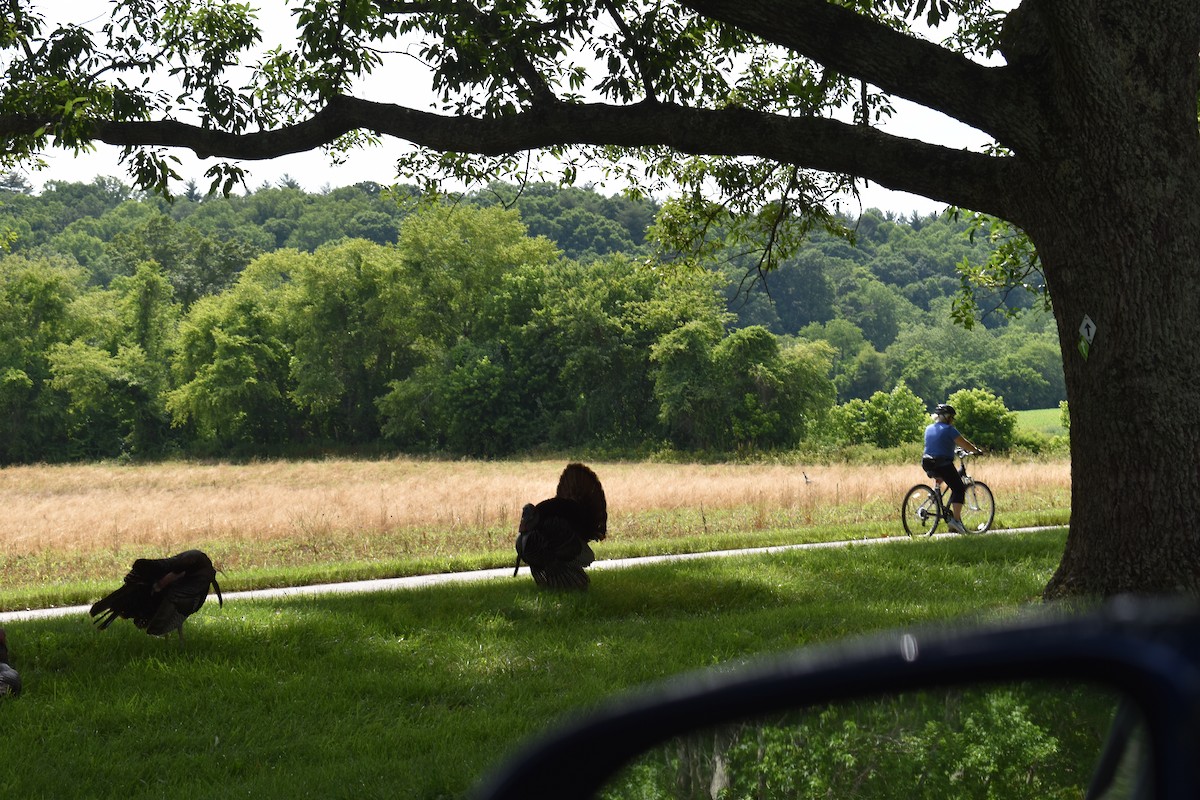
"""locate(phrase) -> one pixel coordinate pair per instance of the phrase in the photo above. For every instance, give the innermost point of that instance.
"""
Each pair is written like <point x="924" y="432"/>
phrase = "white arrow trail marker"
<point x="1087" y="332"/>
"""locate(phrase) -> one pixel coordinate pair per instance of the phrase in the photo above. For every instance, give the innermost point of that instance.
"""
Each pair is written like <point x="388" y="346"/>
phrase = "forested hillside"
<point x="500" y="322"/>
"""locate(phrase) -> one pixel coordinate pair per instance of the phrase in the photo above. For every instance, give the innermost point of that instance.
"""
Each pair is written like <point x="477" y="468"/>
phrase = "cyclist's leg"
<point x="956" y="505"/>
<point x="958" y="493"/>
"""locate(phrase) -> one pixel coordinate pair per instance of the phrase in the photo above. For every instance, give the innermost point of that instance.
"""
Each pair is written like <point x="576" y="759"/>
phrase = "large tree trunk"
<point x="1116" y="218"/>
<point x="1134" y="399"/>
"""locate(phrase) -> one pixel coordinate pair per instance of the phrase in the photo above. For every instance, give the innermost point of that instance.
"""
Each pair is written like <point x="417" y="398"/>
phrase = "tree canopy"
<point x="160" y="328"/>
<point x="904" y="267"/>
<point x="658" y="82"/>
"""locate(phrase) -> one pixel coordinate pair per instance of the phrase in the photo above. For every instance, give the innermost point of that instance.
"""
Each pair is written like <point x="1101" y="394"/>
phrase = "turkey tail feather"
<point x="562" y="577"/>
<point x="580" y="484"/>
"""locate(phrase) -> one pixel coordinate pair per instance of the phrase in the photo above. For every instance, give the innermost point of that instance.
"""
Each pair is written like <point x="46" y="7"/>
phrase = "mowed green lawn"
<point x="419" y="693"/>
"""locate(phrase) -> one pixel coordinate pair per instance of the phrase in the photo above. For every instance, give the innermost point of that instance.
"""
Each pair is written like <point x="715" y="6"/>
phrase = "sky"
<point x="315" y="172"/>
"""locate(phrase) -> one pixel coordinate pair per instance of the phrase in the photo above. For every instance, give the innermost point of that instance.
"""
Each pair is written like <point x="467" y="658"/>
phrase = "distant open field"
<point x="85" y="523"/>
<point x="1047" y="421"/>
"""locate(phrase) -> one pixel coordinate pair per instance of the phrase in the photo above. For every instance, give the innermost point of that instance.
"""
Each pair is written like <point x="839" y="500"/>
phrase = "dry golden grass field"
<point x="279" y="514"/>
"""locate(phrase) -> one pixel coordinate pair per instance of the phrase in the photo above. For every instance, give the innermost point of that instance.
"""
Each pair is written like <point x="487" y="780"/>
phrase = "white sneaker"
<point x="956" y="526"/>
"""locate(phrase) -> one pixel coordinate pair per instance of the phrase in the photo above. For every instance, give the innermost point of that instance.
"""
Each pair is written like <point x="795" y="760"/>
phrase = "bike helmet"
<point x="944" y="410"/>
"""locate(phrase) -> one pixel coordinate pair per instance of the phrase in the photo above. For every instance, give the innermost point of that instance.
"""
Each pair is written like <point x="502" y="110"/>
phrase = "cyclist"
<point x="941" y="437"/>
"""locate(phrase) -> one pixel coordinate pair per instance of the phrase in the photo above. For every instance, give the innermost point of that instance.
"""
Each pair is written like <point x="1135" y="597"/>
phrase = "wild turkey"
<point x="10" y="680"/>
<point x="159" y="594"/>
<point x="553" y="535"/>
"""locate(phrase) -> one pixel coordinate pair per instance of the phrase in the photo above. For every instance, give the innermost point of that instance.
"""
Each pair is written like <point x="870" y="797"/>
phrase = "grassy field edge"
<point x="419" y="693"/>
<point x="55" y="594"/>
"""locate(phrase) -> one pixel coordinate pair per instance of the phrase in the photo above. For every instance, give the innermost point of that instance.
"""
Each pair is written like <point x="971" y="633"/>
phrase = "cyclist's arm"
<point x="965" y="444"/>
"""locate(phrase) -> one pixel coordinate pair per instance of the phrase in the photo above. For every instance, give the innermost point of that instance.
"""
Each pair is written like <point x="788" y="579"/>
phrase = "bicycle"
<point x="924" y="505"/>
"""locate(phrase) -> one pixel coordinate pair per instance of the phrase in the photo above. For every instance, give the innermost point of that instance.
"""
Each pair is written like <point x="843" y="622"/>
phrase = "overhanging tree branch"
<point x="957" y="177"/>
<point x="920" y="71"/>
<point x="730" y="124"/>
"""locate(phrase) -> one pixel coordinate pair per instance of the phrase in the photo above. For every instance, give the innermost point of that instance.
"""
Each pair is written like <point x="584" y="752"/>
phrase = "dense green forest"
<point x="504" y="321"/>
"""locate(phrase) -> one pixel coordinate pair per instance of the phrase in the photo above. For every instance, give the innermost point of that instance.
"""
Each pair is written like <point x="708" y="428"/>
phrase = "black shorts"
<point x="934" y="467"/>
<point x="946" y="471"/>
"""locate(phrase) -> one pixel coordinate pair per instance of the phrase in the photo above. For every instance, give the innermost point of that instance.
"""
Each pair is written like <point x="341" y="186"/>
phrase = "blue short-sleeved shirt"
<point x="939" y="440"/>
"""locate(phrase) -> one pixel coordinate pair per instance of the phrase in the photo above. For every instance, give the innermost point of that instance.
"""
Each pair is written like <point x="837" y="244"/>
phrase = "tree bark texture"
<point x="1115" y="214"/>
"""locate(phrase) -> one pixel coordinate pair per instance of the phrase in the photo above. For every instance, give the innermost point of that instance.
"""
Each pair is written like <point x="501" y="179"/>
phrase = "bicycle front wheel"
<point x="919" y="512"/>
<point x="979" y="508"/>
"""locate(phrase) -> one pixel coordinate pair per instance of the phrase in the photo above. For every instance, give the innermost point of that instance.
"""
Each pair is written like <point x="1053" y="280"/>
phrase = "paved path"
<point x="417" y="581"/>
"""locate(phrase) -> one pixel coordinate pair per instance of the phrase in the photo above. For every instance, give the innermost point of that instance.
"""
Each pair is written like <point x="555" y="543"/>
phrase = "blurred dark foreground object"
<point x="1144" y="656"/>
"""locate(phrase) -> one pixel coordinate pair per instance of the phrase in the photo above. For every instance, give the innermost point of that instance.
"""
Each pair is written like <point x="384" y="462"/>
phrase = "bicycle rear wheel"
<point x="979" y="508"/>
<point x="920" y="511"/>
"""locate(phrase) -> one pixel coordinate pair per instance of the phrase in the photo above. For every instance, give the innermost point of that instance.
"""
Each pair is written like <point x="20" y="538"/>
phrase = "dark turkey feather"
<point x="580" y="485"/>
<point x="159" y="594"/>
<point x="553" y="535"/>
<point x="10" y="679"/>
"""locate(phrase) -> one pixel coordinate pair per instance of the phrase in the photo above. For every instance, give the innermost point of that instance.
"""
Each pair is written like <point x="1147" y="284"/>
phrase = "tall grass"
<point x="67" y="532"/>
<point x="418" y="693"/>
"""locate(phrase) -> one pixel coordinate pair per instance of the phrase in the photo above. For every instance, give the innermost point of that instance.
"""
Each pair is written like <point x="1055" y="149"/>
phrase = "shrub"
<point x="888" y="419"/>
<point x="984" y="419"/>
